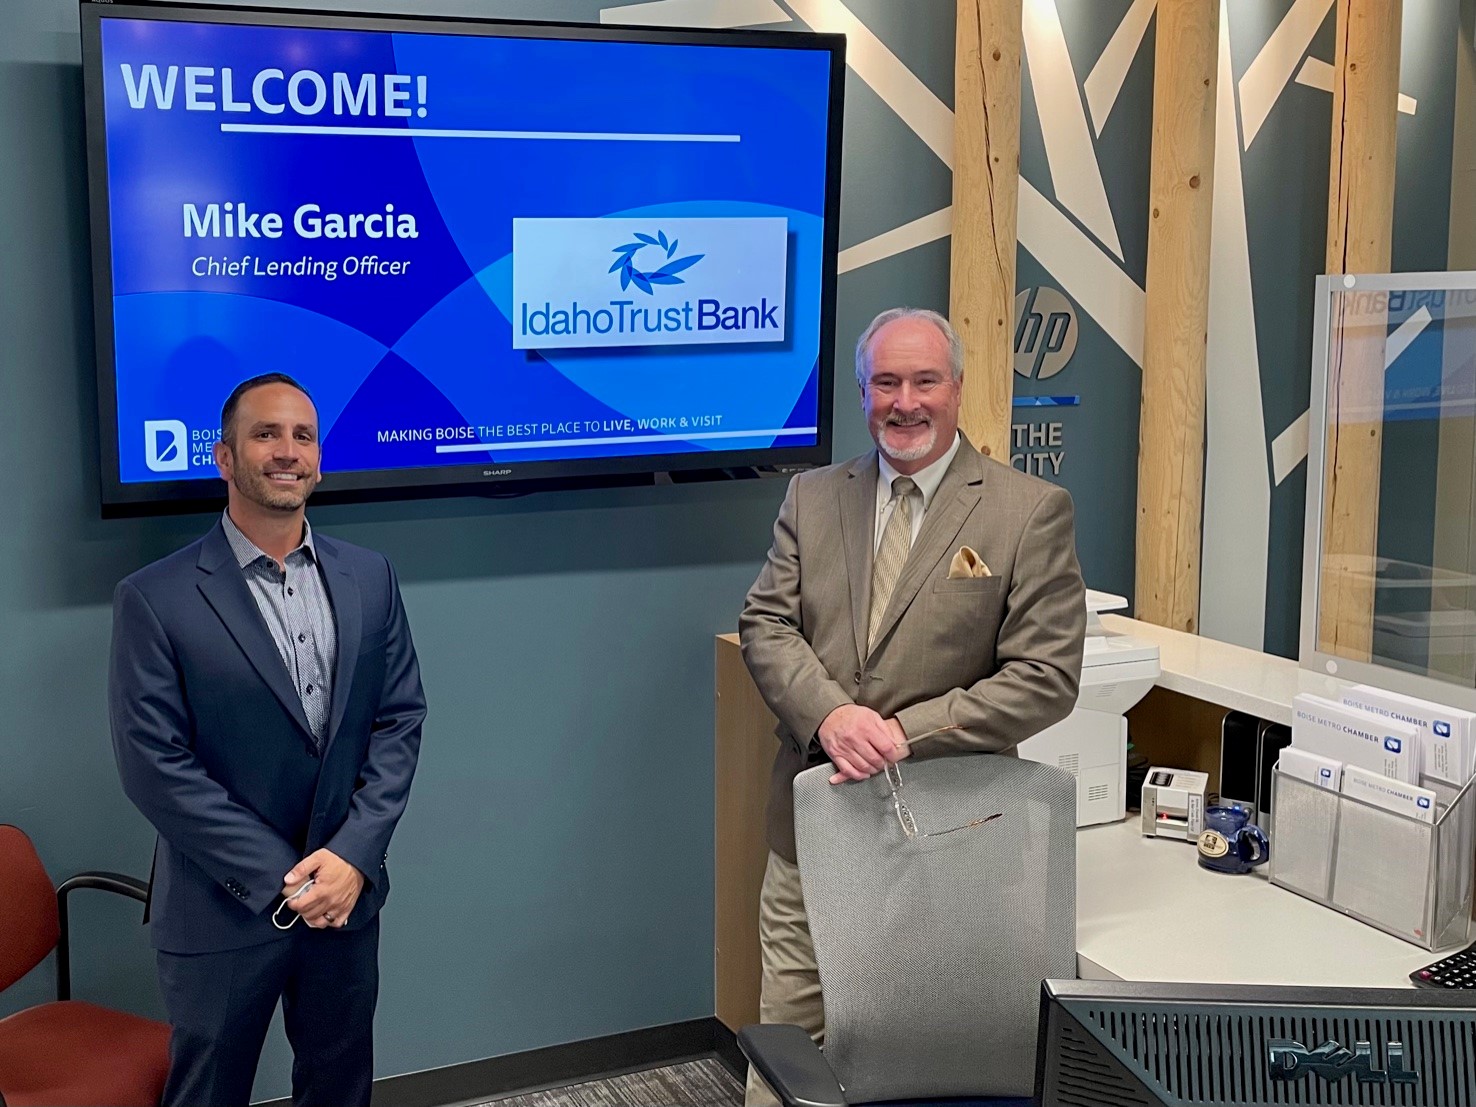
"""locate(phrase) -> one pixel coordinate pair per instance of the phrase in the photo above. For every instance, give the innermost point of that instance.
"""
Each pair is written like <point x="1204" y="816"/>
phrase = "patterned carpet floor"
<point x="704" y="1083"/>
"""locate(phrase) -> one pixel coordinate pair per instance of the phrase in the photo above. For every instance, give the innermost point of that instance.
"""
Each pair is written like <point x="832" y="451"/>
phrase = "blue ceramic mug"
<point x="1230" y="842"/>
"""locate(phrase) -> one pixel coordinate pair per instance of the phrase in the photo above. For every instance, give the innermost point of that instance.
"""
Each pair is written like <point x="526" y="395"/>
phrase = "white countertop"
<point x="1260" y="684"/>
<point x="1145" y="910"/>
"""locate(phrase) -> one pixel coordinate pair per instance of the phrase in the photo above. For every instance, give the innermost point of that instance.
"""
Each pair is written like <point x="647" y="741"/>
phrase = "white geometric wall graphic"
<point x="1074" y="236"/>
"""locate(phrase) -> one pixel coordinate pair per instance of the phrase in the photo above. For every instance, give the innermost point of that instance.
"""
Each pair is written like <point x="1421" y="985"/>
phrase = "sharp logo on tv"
<point x="1291" y="1060"/>
<point x="563" y="274"/>
<point x="165" y="442"/>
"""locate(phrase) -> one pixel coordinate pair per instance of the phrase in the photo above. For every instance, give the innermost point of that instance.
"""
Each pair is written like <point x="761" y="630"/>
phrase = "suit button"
<point x="857" y="677"/>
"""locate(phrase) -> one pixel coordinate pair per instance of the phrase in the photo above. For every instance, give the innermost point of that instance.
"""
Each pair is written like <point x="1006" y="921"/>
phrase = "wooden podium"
<point x="743" y="734"/>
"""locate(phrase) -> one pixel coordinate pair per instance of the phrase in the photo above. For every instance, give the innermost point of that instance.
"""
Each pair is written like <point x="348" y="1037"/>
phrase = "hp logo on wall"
<point x="1045" y="332"/>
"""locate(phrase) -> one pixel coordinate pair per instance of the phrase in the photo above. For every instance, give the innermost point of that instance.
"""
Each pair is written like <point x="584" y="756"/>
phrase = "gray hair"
<point x="891" y="315"/>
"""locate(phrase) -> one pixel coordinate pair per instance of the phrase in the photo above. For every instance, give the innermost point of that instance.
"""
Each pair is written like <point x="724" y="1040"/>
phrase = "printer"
<point x="1091" y="743"/>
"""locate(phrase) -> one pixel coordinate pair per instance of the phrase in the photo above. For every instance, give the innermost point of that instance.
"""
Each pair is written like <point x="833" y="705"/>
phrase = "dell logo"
<point x="1331" y="1060"/>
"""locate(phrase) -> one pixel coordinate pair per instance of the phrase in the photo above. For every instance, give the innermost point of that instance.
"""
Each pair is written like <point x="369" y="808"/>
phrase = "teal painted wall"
<point x="553" y="874"/>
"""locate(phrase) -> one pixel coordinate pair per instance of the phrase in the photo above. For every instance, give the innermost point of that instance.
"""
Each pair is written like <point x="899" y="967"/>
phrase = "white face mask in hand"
<point x="276" y="920"/>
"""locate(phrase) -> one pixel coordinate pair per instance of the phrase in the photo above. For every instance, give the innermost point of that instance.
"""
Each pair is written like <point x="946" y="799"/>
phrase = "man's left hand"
<point x="336" y="887"/>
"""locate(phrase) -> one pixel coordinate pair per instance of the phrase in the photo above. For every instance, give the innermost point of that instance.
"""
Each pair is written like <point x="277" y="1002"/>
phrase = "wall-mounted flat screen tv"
<point x="500" y="256"/>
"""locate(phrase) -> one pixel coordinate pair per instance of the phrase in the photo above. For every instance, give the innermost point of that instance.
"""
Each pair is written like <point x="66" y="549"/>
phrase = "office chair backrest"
<point x="28" y="915"/>
<point x="932" y="949"/>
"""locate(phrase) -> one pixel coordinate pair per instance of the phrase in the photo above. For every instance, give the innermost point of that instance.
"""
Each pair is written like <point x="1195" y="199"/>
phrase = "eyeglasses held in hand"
<point x="276" y="921"/>
<point x="904" y="813"/>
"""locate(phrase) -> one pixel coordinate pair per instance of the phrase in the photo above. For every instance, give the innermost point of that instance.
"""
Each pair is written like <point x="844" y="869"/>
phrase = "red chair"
<point x="68" y="1053"/>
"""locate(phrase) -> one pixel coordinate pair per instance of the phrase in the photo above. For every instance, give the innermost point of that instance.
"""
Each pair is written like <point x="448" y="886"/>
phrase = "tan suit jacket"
<point x="998" y="655"/>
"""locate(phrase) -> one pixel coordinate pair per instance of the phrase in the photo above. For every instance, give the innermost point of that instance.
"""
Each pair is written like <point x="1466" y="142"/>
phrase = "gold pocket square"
<point x="967" y="563"/>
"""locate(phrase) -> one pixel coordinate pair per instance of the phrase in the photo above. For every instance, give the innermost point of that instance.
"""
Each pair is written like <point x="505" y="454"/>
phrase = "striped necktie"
<point x="891" y="555"/>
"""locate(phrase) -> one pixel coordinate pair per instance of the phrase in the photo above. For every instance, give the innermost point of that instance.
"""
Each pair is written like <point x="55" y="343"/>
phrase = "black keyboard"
<point x="1456" y="971"/>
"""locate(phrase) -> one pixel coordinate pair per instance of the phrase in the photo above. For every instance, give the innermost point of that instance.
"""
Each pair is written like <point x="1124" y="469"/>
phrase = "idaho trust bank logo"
<point x="666" y="269"/>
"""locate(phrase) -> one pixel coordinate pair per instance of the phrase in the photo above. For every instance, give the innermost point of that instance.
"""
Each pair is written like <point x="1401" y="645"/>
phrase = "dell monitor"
<point x="1128" y="1044"/>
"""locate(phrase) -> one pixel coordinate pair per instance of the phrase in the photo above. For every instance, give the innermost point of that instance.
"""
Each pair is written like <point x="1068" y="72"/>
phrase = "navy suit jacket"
<point x="213" y="746"/>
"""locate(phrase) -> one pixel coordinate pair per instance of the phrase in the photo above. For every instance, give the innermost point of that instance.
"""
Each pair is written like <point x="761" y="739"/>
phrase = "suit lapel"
<point x="225" y="590"/>
<point x="858" y="537"/>
<point x="957" y="496"/>
<point x="343" y="590"/>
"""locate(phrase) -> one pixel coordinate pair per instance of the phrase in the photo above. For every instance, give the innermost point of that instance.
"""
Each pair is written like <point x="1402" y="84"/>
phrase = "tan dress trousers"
<point x="790" y="989"/>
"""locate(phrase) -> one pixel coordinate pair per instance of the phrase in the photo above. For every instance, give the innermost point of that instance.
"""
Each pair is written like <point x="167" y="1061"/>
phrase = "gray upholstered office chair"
<point x="937" y="909"/>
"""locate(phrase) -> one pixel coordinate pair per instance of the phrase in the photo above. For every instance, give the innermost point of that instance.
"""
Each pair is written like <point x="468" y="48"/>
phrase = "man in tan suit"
<point x="916" y="587"/>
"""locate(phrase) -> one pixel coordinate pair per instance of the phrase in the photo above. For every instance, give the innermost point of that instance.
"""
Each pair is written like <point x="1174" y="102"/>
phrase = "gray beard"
<point x="914" y="453"/>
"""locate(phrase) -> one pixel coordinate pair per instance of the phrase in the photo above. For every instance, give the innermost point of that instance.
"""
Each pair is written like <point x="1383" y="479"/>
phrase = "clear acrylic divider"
<point x="1410" y="878"/>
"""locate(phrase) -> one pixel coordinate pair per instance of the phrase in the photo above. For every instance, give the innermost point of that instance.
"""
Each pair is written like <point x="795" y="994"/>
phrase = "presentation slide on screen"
<point x="470" y="249"/>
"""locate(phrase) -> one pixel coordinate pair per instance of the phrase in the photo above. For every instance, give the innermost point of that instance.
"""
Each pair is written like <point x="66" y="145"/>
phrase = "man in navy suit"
<point x="266" y="713"/>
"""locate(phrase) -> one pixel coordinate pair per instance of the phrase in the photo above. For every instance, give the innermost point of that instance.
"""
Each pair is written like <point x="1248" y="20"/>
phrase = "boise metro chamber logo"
<point x="165" y="445"/>
<point x="563" y="278"/>
<point x="665" y="272"/>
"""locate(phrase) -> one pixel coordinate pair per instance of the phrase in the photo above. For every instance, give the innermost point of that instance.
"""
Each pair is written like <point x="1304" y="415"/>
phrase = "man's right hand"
<point x="858" y="741"/>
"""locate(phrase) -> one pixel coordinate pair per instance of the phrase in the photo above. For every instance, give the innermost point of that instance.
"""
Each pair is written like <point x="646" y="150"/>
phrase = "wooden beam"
<point x="1176" y="314"/>
<point x="986" y="187"/>
<point x="1360" y="224"/>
